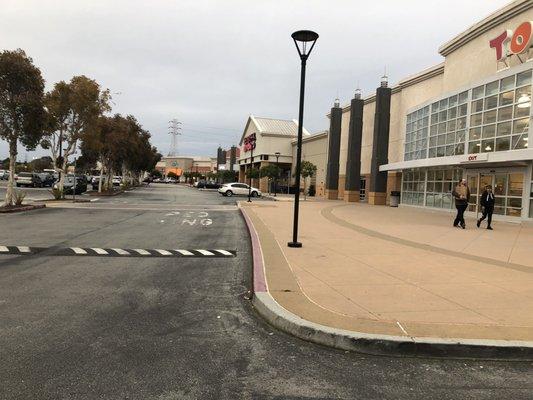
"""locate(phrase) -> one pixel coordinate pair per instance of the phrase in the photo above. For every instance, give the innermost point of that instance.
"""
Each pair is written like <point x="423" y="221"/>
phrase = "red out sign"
<point x="472" y="158"/>
<point x="517" y="42"/>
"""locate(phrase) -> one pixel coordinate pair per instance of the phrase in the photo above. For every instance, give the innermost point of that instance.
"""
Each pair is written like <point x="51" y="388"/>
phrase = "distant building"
<point x="181" y="164"/>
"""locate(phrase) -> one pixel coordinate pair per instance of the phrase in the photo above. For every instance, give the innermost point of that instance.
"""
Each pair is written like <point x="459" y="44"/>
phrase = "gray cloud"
<point x="212" y="63"/>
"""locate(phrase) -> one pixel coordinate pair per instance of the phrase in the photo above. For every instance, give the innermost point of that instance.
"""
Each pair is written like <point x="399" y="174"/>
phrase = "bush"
<point x="57" y="193"/>
<point x="312" y="190"/>
<point x="19" y="197"/>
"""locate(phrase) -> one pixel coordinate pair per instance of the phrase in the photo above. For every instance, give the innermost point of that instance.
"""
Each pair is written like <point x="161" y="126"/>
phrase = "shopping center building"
<point x="467" y="117"/>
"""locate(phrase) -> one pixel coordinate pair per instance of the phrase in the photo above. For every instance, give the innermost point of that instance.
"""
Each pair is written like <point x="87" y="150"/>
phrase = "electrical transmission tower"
<point x="174" y="131"/>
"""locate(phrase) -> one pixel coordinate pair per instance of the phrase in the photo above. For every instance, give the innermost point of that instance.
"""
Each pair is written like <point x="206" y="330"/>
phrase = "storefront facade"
<point x="466" y="117"/>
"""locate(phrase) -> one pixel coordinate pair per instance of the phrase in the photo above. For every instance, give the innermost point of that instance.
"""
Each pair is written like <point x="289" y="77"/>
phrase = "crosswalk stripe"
<point x="98" y="250"/>
<point x="224" y="252"/>
<point x="122" y="252"/>
<point x="24" y="249"/>
<point x="142" y="252"/>
<point x="163" y="252"/>
<point x="205" y="252"/>
<point x="78" y="250"/>
<point x="185" y="252"/>
<point x="4" y="249"/>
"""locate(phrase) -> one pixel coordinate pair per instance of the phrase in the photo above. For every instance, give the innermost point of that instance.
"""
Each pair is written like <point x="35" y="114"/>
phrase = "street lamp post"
<point x="250" y="174"/>
<point x="303" y="40"/>
<point x="277" y="154"/>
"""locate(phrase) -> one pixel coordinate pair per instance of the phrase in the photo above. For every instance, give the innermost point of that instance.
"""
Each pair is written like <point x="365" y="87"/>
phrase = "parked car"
<point x="28" y="179"/>
<point x="81" y="184"/>
<point x="52" y="172"/>
<point x="46" y="179"/>
<point x="4" y="175"/>
<point x="171" y="180"/>
<point x="230" y="189"/>
<point x="117" y="180"/>
<point x="208" y="185"/>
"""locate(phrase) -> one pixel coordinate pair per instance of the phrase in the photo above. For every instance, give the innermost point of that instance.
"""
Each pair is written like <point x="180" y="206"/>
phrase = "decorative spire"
<point x="337" y="103"/>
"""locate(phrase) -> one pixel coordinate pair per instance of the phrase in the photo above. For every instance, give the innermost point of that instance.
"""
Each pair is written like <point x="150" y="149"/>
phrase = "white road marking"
<point x="4" y="249"/>
<point x="224" y="252"/>
<point x="122" y="252"/>
<point x="98" y="250"/>
<point x="185" y="252"/>
<point x="142" y="252"/>
<point x="78" y="250"/>
<point x="163" y="252"/>
<point x="24" y="249"/>
<point x="205" y="252"/>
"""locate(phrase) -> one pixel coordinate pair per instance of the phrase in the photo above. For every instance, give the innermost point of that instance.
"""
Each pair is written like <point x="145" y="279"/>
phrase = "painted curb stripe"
<point x="98" y="250"/>
<point x="142" y="252"/>
<point x="77" y="250"/>
<point x="122" y="252"/>
<point x="185" y="253"/>
<point x="163" y="252"/>
<point x="117" y="252"/>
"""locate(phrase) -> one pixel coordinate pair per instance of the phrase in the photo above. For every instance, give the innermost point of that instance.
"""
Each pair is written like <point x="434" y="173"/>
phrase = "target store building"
<point x="467" y="117"/>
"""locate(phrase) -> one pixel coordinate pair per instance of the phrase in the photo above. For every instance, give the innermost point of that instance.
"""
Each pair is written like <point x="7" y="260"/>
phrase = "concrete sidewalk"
<point x="400" y="272"/>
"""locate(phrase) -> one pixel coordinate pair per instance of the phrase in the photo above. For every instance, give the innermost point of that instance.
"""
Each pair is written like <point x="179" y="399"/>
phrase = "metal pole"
<point x="250" y="175"/>
<point x="295" y="242"/>
<point x="74" y="187"/>
<point x="277" y="174"/>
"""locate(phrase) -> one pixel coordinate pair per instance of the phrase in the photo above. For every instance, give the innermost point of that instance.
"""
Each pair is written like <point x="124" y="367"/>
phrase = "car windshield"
<point x="25" y="174"/>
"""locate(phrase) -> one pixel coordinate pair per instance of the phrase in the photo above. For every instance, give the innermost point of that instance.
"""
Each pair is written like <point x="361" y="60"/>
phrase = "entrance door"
<point x="507" y="188"/>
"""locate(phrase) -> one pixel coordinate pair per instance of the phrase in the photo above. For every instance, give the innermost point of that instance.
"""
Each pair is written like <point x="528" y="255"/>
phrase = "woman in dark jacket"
<point x="461" y="194"/>
<point x="487" y="201"/>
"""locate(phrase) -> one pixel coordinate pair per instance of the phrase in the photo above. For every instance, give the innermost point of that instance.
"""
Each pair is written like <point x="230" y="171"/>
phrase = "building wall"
<point x="315" y="151"/>
<point x="476" y="60"/>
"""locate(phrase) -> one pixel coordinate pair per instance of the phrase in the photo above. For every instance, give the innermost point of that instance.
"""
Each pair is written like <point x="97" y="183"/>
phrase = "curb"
<point x="16" y="209"/>
<point x="284" y="320"/>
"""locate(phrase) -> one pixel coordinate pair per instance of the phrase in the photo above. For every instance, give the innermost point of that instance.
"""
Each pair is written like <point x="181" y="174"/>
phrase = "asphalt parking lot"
<point x="164" y="327"/>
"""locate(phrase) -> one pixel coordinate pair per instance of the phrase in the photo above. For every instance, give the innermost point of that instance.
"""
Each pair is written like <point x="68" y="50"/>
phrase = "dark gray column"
<point x="219" y="157"/>
<point x="232" y="157"/>
<point x="332" y="175"/>
<point x="380" y="146"/>
<point x="353" y="162"/>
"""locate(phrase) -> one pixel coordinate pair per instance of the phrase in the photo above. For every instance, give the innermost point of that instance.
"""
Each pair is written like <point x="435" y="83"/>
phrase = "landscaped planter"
<point x="21" y="208"/>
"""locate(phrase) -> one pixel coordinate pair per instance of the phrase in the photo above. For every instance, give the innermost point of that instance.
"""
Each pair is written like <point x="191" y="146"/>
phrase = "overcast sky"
<point x="211" y="63"/>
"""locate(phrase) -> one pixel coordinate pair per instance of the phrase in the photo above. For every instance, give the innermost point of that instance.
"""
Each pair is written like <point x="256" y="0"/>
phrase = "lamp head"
<point x="304" y="41"/>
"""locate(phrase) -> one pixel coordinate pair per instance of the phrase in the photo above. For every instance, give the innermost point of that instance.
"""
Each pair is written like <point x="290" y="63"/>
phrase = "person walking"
<point x="487" y="202"/>
<point x="461" y="194"/>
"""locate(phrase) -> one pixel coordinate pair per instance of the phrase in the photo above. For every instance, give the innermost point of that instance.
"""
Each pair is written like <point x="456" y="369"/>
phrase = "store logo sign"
<point x="475" y="157"/>
<point x="249" y="142"/>
<point x="510" y="43"/>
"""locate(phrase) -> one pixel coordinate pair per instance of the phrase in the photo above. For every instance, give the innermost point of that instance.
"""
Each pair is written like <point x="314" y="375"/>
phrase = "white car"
<point x="231" y="189"/>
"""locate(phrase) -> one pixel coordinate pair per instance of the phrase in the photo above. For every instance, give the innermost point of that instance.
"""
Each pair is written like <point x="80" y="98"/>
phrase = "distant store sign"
<point x="510" y="43"/>
<point x="249" y="142"/>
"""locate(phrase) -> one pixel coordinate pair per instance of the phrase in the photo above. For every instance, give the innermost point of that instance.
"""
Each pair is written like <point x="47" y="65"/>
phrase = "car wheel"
<point x="229" y="193"/>
<point x="254" y="194"/>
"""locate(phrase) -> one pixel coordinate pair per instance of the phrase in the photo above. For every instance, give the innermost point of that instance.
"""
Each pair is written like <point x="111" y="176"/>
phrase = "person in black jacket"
<point x="487" y="202"/>
<point x="461" y="194"/>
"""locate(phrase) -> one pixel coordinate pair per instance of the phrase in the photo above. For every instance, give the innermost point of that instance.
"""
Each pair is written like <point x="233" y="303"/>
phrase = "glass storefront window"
<point x="498" y="109"/>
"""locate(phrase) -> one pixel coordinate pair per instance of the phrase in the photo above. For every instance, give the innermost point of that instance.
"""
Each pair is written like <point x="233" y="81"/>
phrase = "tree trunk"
<point x="10" y="192"/>
<point x="305" y="187"/>
<point x="101" y="176"/>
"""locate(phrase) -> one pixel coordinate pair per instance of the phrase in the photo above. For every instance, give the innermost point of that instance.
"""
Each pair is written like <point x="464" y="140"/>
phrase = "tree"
<point x="227" y="176"/>
<point x="73" y="110"/>
<point x="172" y="174"/>
<point x="308" y="171"/>
<point x="270" y="171"/>
<point x="22" y="116"/>
<point x="156" y="174"/>
<point x="253" y="173"/>
<point x="41" y="163"/>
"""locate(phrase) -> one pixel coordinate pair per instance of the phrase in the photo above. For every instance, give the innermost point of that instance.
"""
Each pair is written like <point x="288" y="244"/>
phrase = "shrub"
<point x="57" y="193"/>
<point x="19" y="197"/>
